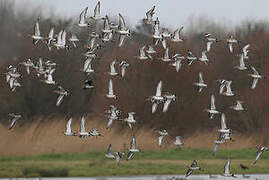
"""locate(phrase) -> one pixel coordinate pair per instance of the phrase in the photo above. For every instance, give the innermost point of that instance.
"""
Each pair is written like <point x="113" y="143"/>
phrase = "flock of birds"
<point x="45" y="69"/>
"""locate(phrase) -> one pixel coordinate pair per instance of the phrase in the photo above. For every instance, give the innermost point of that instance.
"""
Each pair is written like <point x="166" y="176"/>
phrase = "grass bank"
<point x="149" y="162"/>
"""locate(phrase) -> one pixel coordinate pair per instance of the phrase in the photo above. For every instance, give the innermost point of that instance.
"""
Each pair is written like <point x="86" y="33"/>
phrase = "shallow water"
<point x="157" y="177"/>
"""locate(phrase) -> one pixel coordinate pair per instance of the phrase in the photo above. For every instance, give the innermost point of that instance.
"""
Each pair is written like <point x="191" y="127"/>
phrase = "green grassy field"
<point x="149" y="162"/>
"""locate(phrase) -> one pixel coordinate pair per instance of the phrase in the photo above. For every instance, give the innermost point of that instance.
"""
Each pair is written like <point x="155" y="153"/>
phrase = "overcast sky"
<point x="170" y="12"/>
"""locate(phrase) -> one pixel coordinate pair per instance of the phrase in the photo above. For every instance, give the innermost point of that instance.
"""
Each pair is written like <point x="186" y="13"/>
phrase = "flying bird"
<point x="168" y="98"/>
<point x="212" y="111"/>
<point x="149" y="14"/>
<point x="110" y="93"/>
<point x="191" y="57"/>
<point x="15" y="118"/>
<point x="242" y="65"/>
<point x="176" y="36"/>
<point x="166" y="56"/>
<point x="238" y="106"/>
<point x="193" y="167"/>
<point x="106" y="28"/>
<point x="95" y="133"/>
<point x="210" y="40"/>
<point x="130" y="119"/>
<point x="142" y="54"/>
<point x="88" y="84"/>
<point x="162" y="134"/>
<point x="204" y="58"/>
<point x="132" y="149"/>
<point x="245" y="51"/>
<point x="97" y="13"/>
<point x="201" y="84"/>
<point x="28" y="63"/>
<point x="82" y="19"/>
<point x="223" y="126"/>
<point x="122" y="30"/>
<point x="73" y="39"/>
<point x="226" y="171"/>
<point x="218" y="142"/>
<point x="157" y="98"/>
<point x="256" y="76"/>
<point x="82" y="132"/>
<point x="228" y="92"/>
<point x="123" y="65"/>
<point x="68" y="131"/>
<point x="62" y="93"/>
<point x="260" y="152"/>
<point x="178" y="142"/>
<point x="37" y="35"/>
<point x="109" y="153"/>
<point x="118" y="156"/>
<point x="230" y="41"/>
<point x="112" y="69"/>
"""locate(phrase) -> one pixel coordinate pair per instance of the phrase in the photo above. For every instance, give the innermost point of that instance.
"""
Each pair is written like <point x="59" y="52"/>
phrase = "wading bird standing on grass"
<point x="243" y="167"/>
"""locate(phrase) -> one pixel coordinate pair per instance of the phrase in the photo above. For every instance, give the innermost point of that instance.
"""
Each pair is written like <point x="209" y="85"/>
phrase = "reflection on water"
<point x="159" y="177"/>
